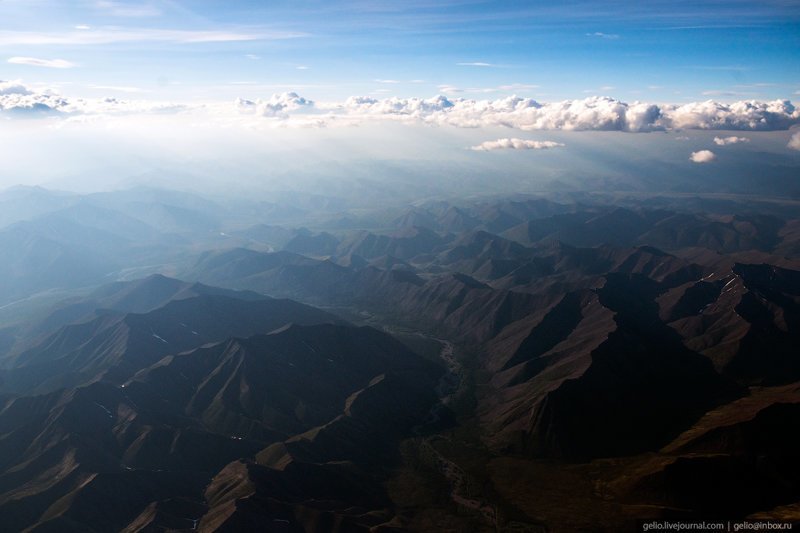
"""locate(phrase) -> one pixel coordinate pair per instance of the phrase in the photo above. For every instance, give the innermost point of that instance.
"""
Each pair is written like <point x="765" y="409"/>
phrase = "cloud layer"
<point x="594" y="113"/>
<point x="525" y="114"/>
<point x="37" y="62"/>
<point x="724" y="141"/>
<point x="515" y="144"/>
<point x="279" y="105"/>
<point x="87" y="36"/>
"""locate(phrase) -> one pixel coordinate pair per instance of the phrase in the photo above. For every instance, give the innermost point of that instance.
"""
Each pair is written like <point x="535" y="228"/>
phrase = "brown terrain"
<point x="505" y="365"/>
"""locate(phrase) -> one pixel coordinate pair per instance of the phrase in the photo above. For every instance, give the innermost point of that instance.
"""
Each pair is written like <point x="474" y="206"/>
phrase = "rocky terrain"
<point x="522" y="364"/>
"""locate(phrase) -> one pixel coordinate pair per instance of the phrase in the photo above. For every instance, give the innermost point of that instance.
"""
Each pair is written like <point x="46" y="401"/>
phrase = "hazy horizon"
<point x="115" y="94"/>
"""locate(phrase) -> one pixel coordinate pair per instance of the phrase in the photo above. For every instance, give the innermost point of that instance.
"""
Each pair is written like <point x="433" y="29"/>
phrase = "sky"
<point x="663" y="51"/>
<point x="103" y="93"/>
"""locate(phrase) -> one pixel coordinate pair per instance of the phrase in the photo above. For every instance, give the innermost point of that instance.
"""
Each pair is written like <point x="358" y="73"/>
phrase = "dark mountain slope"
<point x="246" y="388"/>
<point x="746" y="320"/>
<point x="738" y="458"/>
<point x="330" y="477"/>
<point x="597" y="375"/>
<point x="163" y="435"/>
<point x="115" y="345"/>
<point x="138" y="296"/>
<point x="663" y="229"/>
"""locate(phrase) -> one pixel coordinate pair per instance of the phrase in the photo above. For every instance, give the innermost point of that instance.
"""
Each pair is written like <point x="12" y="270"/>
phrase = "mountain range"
<point x="171" y="363"/>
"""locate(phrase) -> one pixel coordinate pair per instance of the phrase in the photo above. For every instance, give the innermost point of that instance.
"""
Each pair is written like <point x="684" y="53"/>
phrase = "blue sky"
<point x="107" y="93"/>
<point x="658" y="51"/>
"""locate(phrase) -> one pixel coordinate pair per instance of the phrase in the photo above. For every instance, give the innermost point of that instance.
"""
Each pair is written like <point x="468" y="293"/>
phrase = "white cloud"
<point x="20" y="100"/>
<point x="449" y="89"/>
<point x="109" y="36"/>
<point x="254" y="57"/>
<point x="482" y="90"/>
<point x="518" y="87"/>
<point x="515" y="144"/>
<point x="603" y="35"/>
<point x="475" y="64"/>
<point x="756" y="85"/>
<point x="418" y="108"/>
<point x="277" y="106"/>
<point x="702" y="156"/>
<point x="13" y="87"/>
<point x="524" y="114"/>
<point x="724" y="93"/>
<point x="794" y="141"/>
<point x="744" y="115"/>
<point x="386" y="81"/>
<point x="83" y="27"/>
<point x="724" y="141"/>
<point x="733" y="68"/>
<point x="37" y="62"/>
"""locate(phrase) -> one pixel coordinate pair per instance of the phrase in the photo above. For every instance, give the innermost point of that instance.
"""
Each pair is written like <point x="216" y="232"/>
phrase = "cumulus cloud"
<point x="524" y="114"/>
<point x="20" y="100"/>
<point x="420" y="108"/>
<point x="13" y="87"/>
<point x="515" y="144"/>
<point x="37" y="62"/>
<point x="702" y="156"/>
<point x="17" y="99"/>
<point x="279" y="105"/>
<point x="744" y="115"/>
<point x="724" y="141"/>
<point x="794" y="141"/>
<point x="593" y="113"/>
